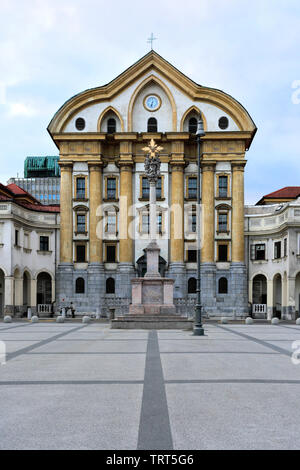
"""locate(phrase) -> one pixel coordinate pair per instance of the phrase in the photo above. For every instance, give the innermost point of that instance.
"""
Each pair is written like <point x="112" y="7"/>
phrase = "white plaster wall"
<point x="121" y="103"/>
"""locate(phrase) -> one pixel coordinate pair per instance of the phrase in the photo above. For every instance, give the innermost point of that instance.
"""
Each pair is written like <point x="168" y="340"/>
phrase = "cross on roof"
<point x="150" y="40"/>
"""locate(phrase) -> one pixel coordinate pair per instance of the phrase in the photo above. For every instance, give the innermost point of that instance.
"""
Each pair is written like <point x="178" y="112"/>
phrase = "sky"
<point x="53" y="49"/>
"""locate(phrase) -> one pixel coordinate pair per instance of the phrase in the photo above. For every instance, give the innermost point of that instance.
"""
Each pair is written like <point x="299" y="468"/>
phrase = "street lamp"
<point x="198" y="328"/>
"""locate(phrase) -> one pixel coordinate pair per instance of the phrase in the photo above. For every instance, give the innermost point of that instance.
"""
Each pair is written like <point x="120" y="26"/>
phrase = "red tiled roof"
<point x="41" y="207"/>
<point x="16" y="189"/>
<point x="289" y="192"/>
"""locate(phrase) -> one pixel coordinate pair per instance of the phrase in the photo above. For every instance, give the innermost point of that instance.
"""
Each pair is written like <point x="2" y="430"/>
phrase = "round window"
<point x="80" y="124"/>
<point x="223" y="122"/>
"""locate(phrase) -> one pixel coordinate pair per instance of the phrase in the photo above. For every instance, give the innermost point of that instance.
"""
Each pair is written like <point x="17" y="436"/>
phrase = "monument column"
<point x="66" y="216"/>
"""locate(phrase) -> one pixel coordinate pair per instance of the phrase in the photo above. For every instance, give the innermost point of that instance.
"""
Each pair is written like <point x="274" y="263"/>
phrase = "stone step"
<point x="139" y="324"/>
<point x="151" y="317"/>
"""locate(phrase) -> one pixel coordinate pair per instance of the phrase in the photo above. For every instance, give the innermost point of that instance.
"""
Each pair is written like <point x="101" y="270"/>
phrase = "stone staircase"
<point x="152" y="321"/>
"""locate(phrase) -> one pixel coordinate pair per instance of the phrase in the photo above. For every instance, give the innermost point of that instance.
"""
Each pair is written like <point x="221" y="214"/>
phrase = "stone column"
<point x="269" y="299"/>
<point x="208" y="212"/>
<point x="152" y="215"/>
<point x="96" y="278"/>
<point x="9" y="295"/>
<point x="126" y="257"/>
<point x="33" y="287"/>
<point x="237" y="237"/>
<point x="291" y="298"/>
<point x="95" y="226"/>
<point x="125" y="250"/>
<point x="177" y="214"/>
<point x="66" y="216"/>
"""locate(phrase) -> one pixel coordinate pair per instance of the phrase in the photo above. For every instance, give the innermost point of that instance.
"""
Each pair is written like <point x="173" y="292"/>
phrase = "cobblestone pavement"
<point x="74" y="386"/>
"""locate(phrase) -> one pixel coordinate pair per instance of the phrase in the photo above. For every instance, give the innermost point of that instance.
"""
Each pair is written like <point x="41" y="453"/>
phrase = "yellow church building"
<point x="100" y="134"/>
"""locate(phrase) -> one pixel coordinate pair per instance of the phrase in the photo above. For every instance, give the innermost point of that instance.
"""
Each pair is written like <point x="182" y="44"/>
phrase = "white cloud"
<point x="21" y="109"/>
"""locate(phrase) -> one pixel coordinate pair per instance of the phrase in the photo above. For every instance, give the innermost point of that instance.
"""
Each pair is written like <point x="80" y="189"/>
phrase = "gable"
<point x="124" y="96"/>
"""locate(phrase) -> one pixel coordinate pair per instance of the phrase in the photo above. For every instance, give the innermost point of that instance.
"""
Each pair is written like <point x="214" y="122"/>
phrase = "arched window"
<point x="79" y="286"/>
<point x="152" y="125"/>
<point x="111" y="125"/>
<point x="110" y="285"/>
<point x="223" y="286"/>
<point x="192" y="285"/>
<point x="193" y="125"/>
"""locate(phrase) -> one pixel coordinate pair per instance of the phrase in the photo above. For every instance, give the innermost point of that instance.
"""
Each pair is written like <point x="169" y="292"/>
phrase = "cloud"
<point x="20" y="109"/>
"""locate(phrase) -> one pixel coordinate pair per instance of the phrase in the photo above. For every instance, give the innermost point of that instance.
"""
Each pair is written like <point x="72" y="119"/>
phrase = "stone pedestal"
<point x="152" y="296"/>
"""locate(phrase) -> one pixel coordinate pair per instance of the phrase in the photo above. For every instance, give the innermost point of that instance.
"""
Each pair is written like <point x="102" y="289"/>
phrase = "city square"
<point x="75" y="386"/>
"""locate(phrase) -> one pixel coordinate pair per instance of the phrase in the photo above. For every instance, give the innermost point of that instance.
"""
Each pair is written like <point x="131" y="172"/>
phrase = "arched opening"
<point x="26" y="289"/>
<point x="111" y="126"/>
<point x="259" y="296"/>
<point x="297" y="295"/>
<point x="192" y="285"/>
<point x="110" y="121"/>
<point x="277" y="295"/>
<point x="193" y="125"/>
<point x="259" y="289"/>
<point x="43" y="290"/>
<point x="110" y="285"/>
<point x="152" y="125"/>
<point x="79" y="286"/>
<point x="223" y="286"/>
<point x="2" y="292"/>
<point x="142" y="266"/>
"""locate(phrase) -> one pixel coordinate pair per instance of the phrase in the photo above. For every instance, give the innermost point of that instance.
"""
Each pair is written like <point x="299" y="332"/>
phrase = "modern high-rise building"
<point x="41" y="179"/>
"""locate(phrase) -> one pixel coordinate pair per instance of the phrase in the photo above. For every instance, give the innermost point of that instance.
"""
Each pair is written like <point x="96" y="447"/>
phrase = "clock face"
<point x="152" y="102"/>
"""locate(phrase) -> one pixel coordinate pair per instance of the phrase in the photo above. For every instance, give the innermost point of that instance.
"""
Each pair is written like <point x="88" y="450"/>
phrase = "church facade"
<point x="104" y="228"/>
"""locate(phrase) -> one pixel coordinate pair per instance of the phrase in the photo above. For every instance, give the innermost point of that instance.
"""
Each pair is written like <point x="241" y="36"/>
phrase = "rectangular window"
<point x="111" y="253"/>
<point x="17" y="237"/>
<point x="111" y="188"/>
<point x="26" y="240"/>
<point x="258" y="252"/>
<point x="192" y="187"/>
<point x="111" y="223"/>
<point x="285" y="247"/>
<point x="222" y="252"/>
<point x="158" y="188"/>
<point x="223" y="185"/>
<point x="145" y="188"/>
<point x="81" y="223"/>
<point x="277" y="250"/>
<point x="145" y="223"/>
<point x="80" y="253"/>
<point x="194" y="223"/>
<point x="80" y="188"/>
<point x="159" y="223"/>
<point x="222" y="222"/>
<point x="192" y="256"/>
<point x="44" y="243"/>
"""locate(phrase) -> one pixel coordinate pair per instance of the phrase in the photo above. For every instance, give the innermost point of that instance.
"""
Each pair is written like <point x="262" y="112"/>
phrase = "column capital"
<point x="125" y="166"/>
<point x="177" y="166"/>
<point x="208" y="165"/>
<point x="66" y="166"/>
<point x="95" y="166"/>
<point x="238" y="165"/>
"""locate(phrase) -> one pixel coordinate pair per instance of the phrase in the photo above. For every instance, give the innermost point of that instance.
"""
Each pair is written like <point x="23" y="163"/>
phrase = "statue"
<point x="152" y="161"/>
